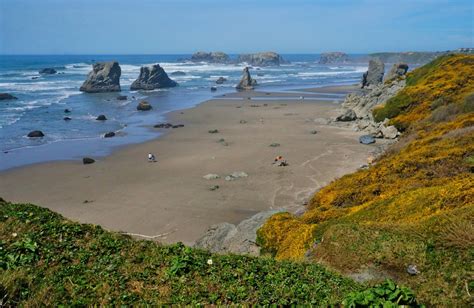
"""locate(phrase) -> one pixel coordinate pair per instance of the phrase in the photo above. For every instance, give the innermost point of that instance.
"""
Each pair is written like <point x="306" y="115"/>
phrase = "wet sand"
<point x="170" y="200"/>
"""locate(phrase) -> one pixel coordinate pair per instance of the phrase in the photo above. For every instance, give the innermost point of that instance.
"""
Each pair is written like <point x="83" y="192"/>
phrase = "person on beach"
<point x="151" y="158"/>
<point x="280" y="162"/>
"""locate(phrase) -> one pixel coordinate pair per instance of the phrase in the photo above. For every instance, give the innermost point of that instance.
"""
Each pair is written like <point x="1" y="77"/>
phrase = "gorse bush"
<point x="395" y="213"/>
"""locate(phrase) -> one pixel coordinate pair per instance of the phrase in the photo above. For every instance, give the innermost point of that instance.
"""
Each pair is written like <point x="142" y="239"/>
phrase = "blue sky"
<point x="184" y="26"/>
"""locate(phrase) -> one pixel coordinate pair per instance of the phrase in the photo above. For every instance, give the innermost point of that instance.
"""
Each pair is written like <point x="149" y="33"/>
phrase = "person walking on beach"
<point x="151" y="158"/>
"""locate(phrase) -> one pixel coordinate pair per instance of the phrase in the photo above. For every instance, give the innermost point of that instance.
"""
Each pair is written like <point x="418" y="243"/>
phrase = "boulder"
<point x="346" y="115"/>
<point x="333" y="57"/>
<point x="104" y="77"/>
<point x="247" y="82"/>
<point x="144" y="106"/>
<point x="6" y="96"/>
<point x="269" y="58"/>
<point x="36" y="134"/>
<point x="240" y="239"/>
<point x="213" y="89"/>
<point x="366" y="139"/>
<point x="88" y="160"/>
<point x="211" y="176"/>
<point x="221" y="80"/>
<point x="398" y="70"/>
<point x="122" y="97"/>
<point x="48" y="71"/>
<point x="101" y="118"/>
<point x="67" y="111"/>
<point x="67" y="119"/>
<point x="389" y="132"/>
<point x="153" y="77"/>
<point x="178" y="73"/>
<point x="211" y="57"/>
<point x="109" y="135"/>
<point x="374" y="74"/>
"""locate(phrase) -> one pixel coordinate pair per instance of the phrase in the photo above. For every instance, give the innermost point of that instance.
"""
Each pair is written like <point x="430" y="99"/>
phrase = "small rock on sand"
<point x="243" y="121"/>
<point x="275" y="145"/>
<point x="235" y="175"/>
<point x="214" y="187"/>
<point x="366" y="139"/>
<point x="88" y="160"/>
<point x="213" y="131"/>
<point x="211" y="176"/>
<point x="314" y="132"/>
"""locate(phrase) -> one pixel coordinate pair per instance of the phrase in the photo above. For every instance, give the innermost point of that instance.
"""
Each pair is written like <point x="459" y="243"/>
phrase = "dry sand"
<point x="171" y="199"/>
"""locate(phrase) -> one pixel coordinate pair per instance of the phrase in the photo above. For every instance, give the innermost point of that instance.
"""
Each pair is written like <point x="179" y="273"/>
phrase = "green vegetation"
<point x="414" y="206"/>
<point x="47" y="260"/>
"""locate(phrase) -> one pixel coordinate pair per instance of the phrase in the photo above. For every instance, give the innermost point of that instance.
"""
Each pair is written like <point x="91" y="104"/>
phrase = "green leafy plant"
<point x="387" y="294"/>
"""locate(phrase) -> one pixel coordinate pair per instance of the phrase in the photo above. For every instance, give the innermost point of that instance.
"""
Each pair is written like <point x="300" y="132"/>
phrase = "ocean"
<point x="42" y="99"/>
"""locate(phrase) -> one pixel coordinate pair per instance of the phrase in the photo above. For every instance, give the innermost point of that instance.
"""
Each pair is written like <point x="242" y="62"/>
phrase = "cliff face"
<point x="413" y="207"/>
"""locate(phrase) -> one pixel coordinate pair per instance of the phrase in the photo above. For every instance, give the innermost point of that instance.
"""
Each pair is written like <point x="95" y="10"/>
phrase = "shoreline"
<point x="123" y="192"/>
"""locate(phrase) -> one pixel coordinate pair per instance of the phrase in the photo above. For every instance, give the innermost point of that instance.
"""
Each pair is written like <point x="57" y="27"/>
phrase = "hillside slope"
<point x="415" y="206"/>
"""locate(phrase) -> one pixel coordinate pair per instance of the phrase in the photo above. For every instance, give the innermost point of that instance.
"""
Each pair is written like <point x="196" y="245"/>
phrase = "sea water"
<point x="42" y="99"/>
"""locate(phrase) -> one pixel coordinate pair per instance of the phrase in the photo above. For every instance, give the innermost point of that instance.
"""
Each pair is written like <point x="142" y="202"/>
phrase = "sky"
<point x="233" y="26"/>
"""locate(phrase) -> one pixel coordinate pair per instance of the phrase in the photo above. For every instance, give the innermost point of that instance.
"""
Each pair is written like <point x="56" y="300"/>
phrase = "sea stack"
<point x="333" y="57"/>
<point x="151" y="78"/>
<point x="104" y="77"/>
<point x="246" y="83"/>
<point x="210" y="57"/>
<point x="374" y="74"/>
<point x="268" y="58"/>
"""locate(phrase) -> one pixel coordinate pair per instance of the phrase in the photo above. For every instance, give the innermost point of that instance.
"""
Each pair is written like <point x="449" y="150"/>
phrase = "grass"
<point x="48" y="260"/>
<point x="414" y="206"/>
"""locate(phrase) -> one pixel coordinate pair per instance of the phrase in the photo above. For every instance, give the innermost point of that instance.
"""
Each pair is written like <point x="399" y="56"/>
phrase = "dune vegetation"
<point x="413" y="206"/>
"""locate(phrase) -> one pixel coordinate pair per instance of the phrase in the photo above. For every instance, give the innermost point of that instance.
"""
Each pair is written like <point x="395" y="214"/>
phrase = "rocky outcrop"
<point x="398" y="70"/>
<point x="211" y="57"/>
<point x="333" y="57"/>
<point x="374" y="74"/>
<point x="36" y="134"/>
<point x="247" y="82"/>
<point x="143" y="106"/>
<point x="178" y="73"/>
<point x="221" y="80"/>
<point x="151" y="78"/>
<point x="358" y="107"/>
<point x="262" y="59"/>
<point x="240" y="239"/>
<point x="104" y="77"/>
<point x="48" y="71"/>
<point x="6" y="96"/>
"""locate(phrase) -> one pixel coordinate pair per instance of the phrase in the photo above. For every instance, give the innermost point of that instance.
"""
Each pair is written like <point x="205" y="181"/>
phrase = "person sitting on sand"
<point x="280" y="162"/>
<point x="151" y="158"/>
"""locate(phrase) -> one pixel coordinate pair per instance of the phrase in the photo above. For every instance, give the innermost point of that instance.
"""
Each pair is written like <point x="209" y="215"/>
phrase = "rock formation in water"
<point x="211" y="57"/>
<point x="269" y="58"/>
<point x="6" y="96"/>
<point x="153" y="77"/>
<point x="104" y="77"/>
<point x="48" y="71"/>
<point x="374" y="74"/>
<point x="398" y="70"/>
<point x="333" y="57"/>
<point x="247" y="82"/>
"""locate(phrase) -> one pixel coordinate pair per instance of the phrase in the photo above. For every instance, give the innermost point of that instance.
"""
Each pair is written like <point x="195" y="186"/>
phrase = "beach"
<point x="169" y="200"/>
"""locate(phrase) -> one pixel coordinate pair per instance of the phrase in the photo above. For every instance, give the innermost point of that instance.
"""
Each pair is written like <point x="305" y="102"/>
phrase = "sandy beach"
<point x="170" y="200"/>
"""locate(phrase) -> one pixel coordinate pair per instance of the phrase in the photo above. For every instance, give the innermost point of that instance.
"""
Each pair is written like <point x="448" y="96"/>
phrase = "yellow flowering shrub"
<point x="365" y="217"/>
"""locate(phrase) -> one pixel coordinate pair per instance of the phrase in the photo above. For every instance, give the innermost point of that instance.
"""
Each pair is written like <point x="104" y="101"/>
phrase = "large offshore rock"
<point x="240" y="239"/>
<point x="333" y="57"/>
<point x="269" y="58"/>
<point x="398" y="70"/>
<point x="247" y="82"/>
<point x="374" y="74"/>
<point x="211" y="57"/>
<point x="152" y="77"/>
<point x="104" y="77"/>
